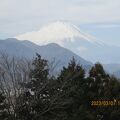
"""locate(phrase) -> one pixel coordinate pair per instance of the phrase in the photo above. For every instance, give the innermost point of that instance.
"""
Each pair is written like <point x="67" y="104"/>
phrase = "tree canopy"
<point x="72" y="95"/>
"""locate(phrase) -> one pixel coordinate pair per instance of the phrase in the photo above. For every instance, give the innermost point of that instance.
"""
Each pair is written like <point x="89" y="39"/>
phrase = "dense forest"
<point x="28" y="91"/>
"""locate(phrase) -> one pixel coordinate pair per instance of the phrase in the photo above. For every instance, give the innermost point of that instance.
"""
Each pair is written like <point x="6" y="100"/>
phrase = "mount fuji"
<point x="57" y="32"/>
<point x="63" y="40"/>
<point x="73" y="38"/>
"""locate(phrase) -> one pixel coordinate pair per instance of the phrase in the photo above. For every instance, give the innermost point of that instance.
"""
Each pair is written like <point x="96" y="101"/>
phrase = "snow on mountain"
<point x="56" y="32"/>
<point x="72" y="38"/>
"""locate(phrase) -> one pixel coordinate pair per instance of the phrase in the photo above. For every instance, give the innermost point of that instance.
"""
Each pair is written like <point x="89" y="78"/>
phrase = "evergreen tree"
<point x="71" y="82"/>
<point x="34" y="100"/>
<point x="39" y="73"/>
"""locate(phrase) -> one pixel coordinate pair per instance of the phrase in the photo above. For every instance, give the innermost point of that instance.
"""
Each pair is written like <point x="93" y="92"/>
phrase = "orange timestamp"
<point x="105" y="103"/>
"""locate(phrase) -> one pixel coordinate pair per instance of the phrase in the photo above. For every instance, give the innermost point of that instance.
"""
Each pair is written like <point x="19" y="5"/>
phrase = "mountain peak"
<point x="56" y="32"/>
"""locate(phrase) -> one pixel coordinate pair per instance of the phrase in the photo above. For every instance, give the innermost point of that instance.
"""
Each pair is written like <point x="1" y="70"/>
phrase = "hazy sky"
<point x="100" y="18"/>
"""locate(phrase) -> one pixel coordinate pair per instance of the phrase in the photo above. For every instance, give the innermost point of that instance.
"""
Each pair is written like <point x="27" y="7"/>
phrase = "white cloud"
<point x="83" y="11"/>
<point x="32" y="14"/>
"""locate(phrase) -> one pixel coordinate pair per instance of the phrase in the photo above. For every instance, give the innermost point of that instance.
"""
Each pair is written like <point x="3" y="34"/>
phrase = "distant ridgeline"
<point x="52" y="52"/>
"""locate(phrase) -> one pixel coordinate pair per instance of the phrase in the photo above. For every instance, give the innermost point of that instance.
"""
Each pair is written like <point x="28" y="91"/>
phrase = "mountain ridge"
<point x="50" y="51"/>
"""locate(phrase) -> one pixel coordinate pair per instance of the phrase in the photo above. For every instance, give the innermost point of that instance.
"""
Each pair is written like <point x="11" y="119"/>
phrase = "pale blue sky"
<point x="101" y="18"/>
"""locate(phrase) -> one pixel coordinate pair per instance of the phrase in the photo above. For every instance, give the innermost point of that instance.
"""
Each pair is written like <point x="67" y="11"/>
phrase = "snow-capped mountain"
<point x="73" y="38"/>
<point x="56" y="32"/>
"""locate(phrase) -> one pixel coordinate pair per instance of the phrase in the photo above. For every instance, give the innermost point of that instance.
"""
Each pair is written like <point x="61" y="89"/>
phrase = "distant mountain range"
<point x="51" y="51"/>
<point x="113" y="69"/>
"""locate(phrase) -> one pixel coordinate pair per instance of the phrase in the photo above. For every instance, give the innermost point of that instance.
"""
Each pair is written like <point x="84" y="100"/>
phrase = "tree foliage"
<point x="67" y="96"/>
